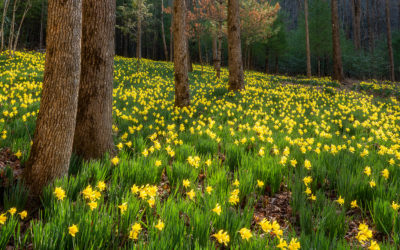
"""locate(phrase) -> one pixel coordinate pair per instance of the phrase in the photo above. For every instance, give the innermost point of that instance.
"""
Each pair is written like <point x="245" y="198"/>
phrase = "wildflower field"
<point x="279" y="165"/>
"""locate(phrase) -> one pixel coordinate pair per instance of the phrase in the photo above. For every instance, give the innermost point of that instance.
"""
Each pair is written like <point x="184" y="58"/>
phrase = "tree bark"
<point x="163" y="32"/>
<point x="52" y="144"/>
<point x="308" y="53"/>
<point x="337" y="54"/>
<point x="236" y="76"/>
<point x="219" y="48"/>
<point x="182" y="97"/>
<point x="171" y="42"/>
<point x="3" y="19"/>
<point x="276" y="64"/>
<point x="356" y="23"/>
<point x="389" y="42"/>
<point x="93" y="133"/>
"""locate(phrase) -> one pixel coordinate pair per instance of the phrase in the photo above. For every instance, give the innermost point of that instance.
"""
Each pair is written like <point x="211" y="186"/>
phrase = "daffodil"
<point x="217" y="209"/>
<point x="60" y="193"/>
<point x="72" y="230"/>
<point x="160" y="225"/>
<point x="222" y="237"/>
<point x="245" y="233"/>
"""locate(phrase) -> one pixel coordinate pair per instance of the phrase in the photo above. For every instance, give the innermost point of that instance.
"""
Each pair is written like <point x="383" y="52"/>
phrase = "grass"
<point x="236" y="150"/>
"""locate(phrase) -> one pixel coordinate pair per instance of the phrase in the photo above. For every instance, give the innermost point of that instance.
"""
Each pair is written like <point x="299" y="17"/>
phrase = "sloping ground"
<point x="276" y="164"/>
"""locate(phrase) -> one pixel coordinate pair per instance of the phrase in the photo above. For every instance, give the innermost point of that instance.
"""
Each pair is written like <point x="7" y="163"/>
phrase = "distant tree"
<point x="6" y="3"/>
<point x="356" y="10"/>
<point x="93" y="133"/>
<point x="308" y="53"/>
<point x="236" y="76"/>
<point x="256" y="21"/>
<point x="182" y="97"/>
<point x="389" y="41"/>
<point x="276" y="45"/>
<point x="337" y="54"/>
<point x="52" y="144"/>
<point x="163" y="31"/>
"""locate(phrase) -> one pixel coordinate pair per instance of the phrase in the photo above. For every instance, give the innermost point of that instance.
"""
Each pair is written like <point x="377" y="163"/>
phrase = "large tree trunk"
<point x="356" y="23"/>
<point x="3" y="19"/>
<point x="337" y="54"/>
<point x="163" y="32"/>
<point x="182" y="97"/>
<point x="93" y="133"/>
<point x="308" y="53"/>
<point x="389" y="42"/>
<point x="370" y="27"/>
<point x="52" y="144"/>
<point x="236" y="76"/>
<point x="27" y="7"/>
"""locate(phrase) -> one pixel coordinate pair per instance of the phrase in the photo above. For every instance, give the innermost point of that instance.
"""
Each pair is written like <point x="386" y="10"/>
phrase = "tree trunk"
<point x="171" y="42"/>
<point x="52" y="144"/>
<point x="181" y="59"/>
<point x="356" y="23"/>
<point x="276" y="64"/>
<point x="370" y="27"/>
<point x="139" y="32"/>
<point x="126" y="44"/>
<point x="307" y="39"/>
<point x="3" y="19"/>
<point x="337" y="54"/>
<point x="199" y="48"/>
<point x="189" y="59"/>
<point x="215" y="50"/>
<point x="389" y="42"/>
<point x="236" y="76"/>
<point x="93" y="133"/>
<point x="41" y="26"/>
<point x="12" y="28"/>
<point x="27" y="7"/>
<point x="219" y="49"/>
<point x="267" y="60"/>
<point x="163" y="32"/>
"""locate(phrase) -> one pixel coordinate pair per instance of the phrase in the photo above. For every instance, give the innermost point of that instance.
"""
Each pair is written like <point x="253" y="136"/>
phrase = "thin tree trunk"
<point x="319" y="67"/>
<point x="27" y="7"/>
<point x="215" y="50"/>
<point x="41" y="26"/>
<point x="189" y="59"/>
<point x="307" y="39"/>
<point x="236" y="76"/>
<point x="199" y="49"/>
<point x="93" y="133"/>
<point x="389" y="42"/>
<point x="126" y="43"/>
<point x="139" y="35"/>
<point x="3" y="19"/>
<point x="370" y="27"/>
<point x="219" y="48"/>
<point x="337" y="54"/>
<point x="267" y="60"/>
<point x="52" y="144"/>
<point x="356" y="23"/>
<point x="182" y="97"/>
<point x="276" y="64"/>
<point x="171" y="43"/>
<point x="163" y="32"/>
<point x="12" y="28"/>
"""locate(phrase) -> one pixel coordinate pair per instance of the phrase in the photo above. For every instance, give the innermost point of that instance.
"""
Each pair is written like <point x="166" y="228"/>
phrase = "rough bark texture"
<point x="357" y="23"/>
<point x="236" y="77"/>
<point x="337" y="53"/>
<point x="389" y="42"/>
<point x="52" y="144"/>
<point x="93" y="133"/>
<point x="307" y="39"/>
<point x="181" y="59"/>
<point x="163" y="32"/>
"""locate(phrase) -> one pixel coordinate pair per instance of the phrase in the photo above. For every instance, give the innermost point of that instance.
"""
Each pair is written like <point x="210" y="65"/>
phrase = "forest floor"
<point x="289" y="161"/>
